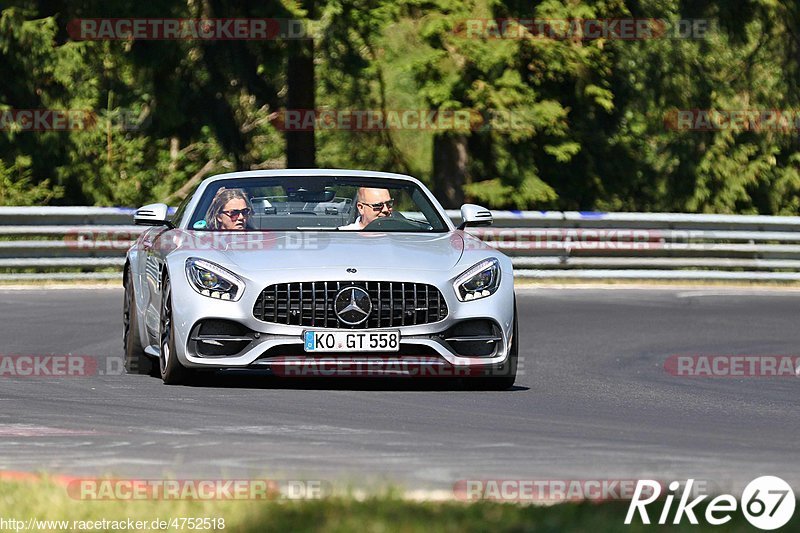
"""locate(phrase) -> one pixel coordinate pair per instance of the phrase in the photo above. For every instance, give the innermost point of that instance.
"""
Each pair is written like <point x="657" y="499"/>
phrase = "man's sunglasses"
<point x="379" y="205"/>
<point x="234" y="213"/>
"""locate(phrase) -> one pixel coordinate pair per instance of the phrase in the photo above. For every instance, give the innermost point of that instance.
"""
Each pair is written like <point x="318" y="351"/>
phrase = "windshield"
<point x="315" y="203"/>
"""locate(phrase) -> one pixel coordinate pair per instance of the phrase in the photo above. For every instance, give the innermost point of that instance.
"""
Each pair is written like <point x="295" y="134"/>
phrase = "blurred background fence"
<point x="90" y="243"/>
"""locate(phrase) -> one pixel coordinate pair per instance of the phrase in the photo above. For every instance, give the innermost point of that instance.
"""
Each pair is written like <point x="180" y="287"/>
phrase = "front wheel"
<point x="172" y="371"/>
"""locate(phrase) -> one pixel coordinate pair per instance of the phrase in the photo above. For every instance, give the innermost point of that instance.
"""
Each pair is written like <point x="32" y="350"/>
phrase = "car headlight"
<point x="480" y="281"/>
<point x="212" y="280"/>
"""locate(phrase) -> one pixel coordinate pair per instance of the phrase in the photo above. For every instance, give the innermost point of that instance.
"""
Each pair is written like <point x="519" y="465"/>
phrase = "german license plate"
<point x="351" y="341"/>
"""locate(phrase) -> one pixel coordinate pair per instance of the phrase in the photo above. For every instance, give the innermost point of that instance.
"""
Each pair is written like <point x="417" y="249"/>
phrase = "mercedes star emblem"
<point x="352" y="305"/>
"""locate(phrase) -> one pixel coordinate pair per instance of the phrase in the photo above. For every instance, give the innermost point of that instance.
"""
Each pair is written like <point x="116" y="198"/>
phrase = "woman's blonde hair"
<point x="222" y="197"/>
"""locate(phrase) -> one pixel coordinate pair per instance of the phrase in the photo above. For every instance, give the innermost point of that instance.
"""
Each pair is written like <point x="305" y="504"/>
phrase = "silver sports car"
<point x="318" y="273"/>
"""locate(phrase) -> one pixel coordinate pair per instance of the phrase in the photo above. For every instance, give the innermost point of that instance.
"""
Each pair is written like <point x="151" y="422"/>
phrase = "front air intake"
<point x="219" y="338"/>
<point x="311" y="304"/>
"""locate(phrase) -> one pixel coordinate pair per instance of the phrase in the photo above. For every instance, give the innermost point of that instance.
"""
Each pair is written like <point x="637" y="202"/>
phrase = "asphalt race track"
<point x="593" y="401"/>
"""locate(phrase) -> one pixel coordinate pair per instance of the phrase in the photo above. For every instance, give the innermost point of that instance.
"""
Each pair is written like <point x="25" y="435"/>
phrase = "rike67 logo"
<point x="767" y="503"/>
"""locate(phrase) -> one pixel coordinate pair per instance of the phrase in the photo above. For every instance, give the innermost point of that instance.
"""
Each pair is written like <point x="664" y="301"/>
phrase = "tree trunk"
<point x="450" y="159"/>
<point x="300" y="147"/>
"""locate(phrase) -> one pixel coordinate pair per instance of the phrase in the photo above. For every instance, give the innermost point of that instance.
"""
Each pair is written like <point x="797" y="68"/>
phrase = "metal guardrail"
<point x="62" y="243"/>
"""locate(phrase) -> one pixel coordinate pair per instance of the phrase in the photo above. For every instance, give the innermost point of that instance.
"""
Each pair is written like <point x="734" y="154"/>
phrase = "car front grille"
<point x="394" y="303"/>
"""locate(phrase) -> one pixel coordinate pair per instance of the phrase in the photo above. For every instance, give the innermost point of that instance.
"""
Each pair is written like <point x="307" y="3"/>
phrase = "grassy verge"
<point x="44" y="500"/>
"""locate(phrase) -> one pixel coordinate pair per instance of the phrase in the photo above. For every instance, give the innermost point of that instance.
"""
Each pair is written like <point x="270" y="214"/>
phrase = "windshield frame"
<point x="426" y="202"/>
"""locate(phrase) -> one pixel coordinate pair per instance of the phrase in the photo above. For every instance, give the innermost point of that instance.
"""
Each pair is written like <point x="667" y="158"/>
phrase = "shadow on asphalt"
<point x="233" y="379"/>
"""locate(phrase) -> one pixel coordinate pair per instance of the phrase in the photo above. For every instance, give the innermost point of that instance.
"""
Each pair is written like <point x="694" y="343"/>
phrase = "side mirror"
<point x="152" y="215"/>
<point x="475" y="215"/>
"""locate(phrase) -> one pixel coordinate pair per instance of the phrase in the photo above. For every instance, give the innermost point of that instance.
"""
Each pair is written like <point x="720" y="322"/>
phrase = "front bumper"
<point x="260" y="344"/>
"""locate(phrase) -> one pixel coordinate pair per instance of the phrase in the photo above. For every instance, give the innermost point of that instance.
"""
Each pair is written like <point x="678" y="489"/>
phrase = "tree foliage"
<point x="594" y="120"/>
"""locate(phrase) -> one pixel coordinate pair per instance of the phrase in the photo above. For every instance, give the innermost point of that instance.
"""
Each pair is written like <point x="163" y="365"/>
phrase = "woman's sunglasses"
<point x="235" y="213"/>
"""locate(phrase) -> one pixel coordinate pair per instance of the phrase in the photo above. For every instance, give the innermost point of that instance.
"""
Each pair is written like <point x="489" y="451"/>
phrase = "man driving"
<point x="372" y="203"/>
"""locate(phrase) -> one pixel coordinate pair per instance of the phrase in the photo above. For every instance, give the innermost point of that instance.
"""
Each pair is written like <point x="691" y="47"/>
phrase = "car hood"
<point x="281" y="250"/>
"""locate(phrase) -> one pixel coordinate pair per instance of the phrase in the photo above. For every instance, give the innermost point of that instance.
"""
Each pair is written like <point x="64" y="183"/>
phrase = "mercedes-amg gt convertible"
<point x="318" y="273"/>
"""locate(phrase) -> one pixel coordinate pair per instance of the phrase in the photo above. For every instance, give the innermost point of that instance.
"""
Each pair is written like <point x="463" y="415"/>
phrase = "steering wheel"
<point x="395" y="222"/>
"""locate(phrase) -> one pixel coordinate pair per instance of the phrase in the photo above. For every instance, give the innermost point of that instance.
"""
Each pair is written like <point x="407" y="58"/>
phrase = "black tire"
<point x="172" y="371"/>
<point x="136" y="361"/>
<point x="504" y="376"/>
